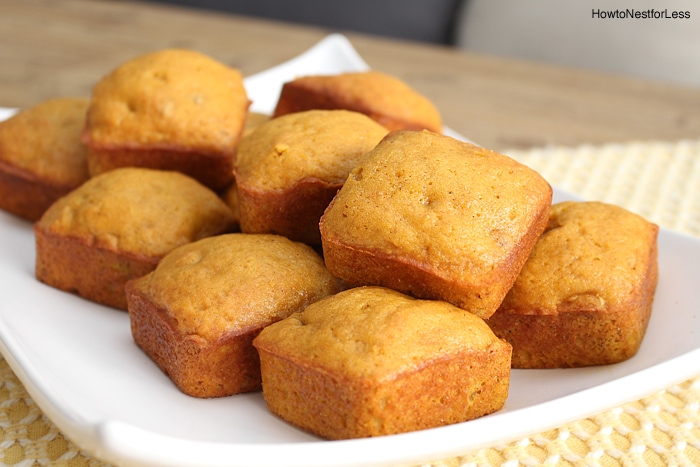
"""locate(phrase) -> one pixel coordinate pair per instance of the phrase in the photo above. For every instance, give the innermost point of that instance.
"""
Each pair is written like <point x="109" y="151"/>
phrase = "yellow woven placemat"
<point x="660" y="181"/>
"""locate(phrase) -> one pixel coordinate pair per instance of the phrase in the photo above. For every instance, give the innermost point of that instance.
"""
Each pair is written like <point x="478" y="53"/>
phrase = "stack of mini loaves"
<point x="369" y="273"/>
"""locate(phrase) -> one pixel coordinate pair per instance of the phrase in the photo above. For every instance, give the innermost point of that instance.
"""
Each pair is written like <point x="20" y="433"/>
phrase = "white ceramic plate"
<point x="79" y="363"/>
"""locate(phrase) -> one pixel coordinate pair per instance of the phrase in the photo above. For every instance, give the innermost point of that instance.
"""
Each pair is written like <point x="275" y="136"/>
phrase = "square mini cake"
<point x="118" y="225"/>
<point x="198" y="312"/>
<point x="383" y="97"/>
<point x="289" y="168"/>
<point x="173" y="109"/>
<point x="585" y="295"/>
<point x="371" y="361"/>
<point x="436" y="218"/>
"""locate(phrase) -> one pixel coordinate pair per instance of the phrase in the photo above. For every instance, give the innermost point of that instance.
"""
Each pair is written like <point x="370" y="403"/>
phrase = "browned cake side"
<point x="370" y="361"/>
<point x="585" y="295"/>
<point x="75" y="265"/>
<point x="289" y="168"/>
<point x="436" y="218"/>
<point x="41" y="156"/>
<point x="172" y="109"/>
<point x="231" y="198"/>
<point x="118" y="225"/>
<point x="382" y="97"/>
<point x="294" y="213"/>
<point x="198" y="312"/>
<point x="212" y="170"/>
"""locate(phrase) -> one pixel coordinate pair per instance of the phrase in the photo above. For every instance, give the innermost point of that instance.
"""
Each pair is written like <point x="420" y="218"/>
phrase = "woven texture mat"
<point x="660" y="181"/>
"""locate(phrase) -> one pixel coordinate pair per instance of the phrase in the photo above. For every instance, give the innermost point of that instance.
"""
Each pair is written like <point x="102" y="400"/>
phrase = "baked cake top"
<point x="320" y="144"/>
<point x="236" y="282"/>
<point x="45" y="140"/>
<point x="142" y="211"/>
<point x="592" y="256"/>
<point x="376" y="333"/>
<point x="173" y="99"/>
<point x="385" y="98"/>
<point x="456" y="207"/>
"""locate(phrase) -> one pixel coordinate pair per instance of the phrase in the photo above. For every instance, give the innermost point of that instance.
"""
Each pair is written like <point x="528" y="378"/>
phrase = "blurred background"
<point x="656" y="47"/>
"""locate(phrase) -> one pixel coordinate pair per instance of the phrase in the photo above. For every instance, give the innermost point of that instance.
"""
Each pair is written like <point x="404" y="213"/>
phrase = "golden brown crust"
<point x="24" y="195"/>
<point x="118" y="225"/>
<point x="200" y="368"/>
<point x="212" y="170"/>
<point x="98" y="274"/>
<point x="293" y="213"/>
<point x="585" y="295"/>
<point x="370" y="361"/>
<point x="41" y="156"/>
<point x="384" y="98"/>
<point x="436" y="218"/>
<point x="197" y="313"/>
<point x="172" y="109"/>
<point x="288" y="169"/>
<point x="367" y="266"/>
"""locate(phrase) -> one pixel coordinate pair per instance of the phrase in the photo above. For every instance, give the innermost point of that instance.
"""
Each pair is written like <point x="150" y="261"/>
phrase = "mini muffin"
<point x="585" y="295"/>
<point x="118" y="225"/>
<point x="436" y="218"/>
<point x="288" y="169"/>
<point x="371" y="361"/>
<point x="198" y="312"/>
<point x="385" y="98"/>
<point x="41" y="156"/>
<point x="172" y="110"/>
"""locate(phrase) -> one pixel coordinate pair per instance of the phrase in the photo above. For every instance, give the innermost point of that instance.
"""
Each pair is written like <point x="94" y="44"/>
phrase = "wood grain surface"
<point x="52" y="48"/>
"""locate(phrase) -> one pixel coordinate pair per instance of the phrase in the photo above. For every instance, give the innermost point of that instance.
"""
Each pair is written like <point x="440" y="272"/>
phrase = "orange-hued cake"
<point x="585" y="295"/>
<point x="436" y="218"/>
<point x="385" y="98"/>
<point x="371" y="361"/>
<point x="173" y="109"/>
<point x="254" y="120"/>
<point x="41" y="155"/>
<point x="289" y="168"/>
<point x="198" y="312"/>
<point x="118" y="225"/>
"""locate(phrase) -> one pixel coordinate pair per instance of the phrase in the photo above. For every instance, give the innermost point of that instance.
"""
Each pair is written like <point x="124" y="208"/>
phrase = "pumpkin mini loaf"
<point x="288" y="169"/>
<point x="384" y="98"/>
<point x="371" y="361"/>
<point x="118" y="225"/>
<point x="173" y="109"/>
<point x="196" y="314"/>
<point x="436" y="218"/>
<point x="585" y="295"/>
<point x="41" y="155"/>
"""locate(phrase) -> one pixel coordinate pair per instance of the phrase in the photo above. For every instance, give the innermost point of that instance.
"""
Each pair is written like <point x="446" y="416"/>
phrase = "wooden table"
<point x="52" y="48"/>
